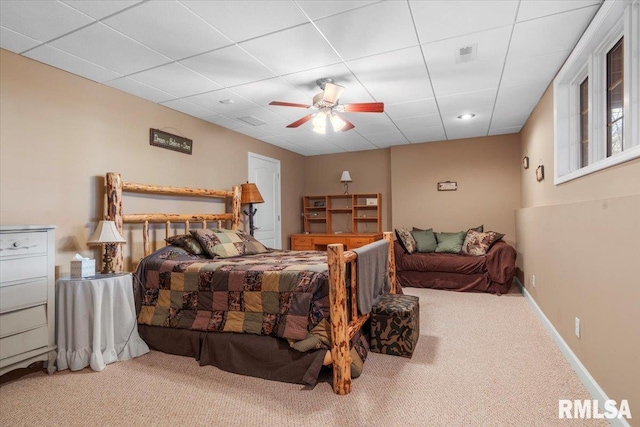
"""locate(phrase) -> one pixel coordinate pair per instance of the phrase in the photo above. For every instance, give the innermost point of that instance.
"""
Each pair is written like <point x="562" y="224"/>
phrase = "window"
<point x="615" y="99"/>
<point x="584" y="123"/>
<point x="597" y="97"/>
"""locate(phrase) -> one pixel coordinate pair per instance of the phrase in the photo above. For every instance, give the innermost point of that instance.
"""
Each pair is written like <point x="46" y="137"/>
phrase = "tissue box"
<point x="83" y="268"/>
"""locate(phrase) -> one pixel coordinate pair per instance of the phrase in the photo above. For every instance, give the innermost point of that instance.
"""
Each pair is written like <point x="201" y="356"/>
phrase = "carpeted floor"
<point x="481" y="360"/>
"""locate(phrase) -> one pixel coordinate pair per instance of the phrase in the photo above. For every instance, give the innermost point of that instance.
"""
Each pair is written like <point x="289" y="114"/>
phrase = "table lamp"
<point x="251" y="195"/>
<point x="346" y="179"/>
<point x="108" y="236"/>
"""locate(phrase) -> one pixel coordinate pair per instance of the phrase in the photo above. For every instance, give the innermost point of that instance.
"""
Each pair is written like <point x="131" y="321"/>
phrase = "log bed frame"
<point x="344" y="322"/>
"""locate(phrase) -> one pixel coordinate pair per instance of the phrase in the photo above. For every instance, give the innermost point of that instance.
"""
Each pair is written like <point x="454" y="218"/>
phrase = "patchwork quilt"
<point x="279" y="293"/>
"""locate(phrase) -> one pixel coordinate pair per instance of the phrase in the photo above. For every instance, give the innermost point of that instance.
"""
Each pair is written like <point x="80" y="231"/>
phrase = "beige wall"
<point x="61" y="133"/>
<point x="487" y="171"/>
<point x="580" y="240"/>
<point x="370" y="171"/>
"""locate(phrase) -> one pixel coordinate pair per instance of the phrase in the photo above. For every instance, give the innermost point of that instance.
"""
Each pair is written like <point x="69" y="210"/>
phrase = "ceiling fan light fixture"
<point x="319" y="129"/>
<point x="320" y="119"/>
<point x="337" y="122"/>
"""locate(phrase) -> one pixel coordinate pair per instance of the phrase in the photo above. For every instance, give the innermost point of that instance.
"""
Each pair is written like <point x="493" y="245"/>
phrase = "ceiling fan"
<point x="326" y="102"/>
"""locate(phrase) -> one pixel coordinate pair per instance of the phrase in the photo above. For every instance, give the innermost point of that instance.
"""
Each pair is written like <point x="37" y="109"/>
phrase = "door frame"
<point x="278" y="197"/>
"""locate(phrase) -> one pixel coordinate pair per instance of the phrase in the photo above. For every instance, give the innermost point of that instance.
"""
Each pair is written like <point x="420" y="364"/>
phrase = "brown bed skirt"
<point x="452" y="281"/>
<point x="246" y="354"/>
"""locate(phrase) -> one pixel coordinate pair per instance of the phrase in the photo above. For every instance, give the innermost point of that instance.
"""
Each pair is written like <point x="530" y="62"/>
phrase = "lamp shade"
<point x="106" y="233"/>
<point x="346" y="177"/>
<point x="250" y="194"/>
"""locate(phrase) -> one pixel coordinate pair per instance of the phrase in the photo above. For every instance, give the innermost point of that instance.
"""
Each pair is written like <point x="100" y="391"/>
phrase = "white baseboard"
<point x="592" y="386"/>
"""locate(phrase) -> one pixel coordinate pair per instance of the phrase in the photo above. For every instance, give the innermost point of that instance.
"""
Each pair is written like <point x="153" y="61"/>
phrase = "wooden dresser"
<point x="27" y="297"/>
<point x="319" y="241"/>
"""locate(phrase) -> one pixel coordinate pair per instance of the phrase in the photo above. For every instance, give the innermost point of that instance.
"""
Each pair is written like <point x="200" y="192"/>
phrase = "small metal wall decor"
<point x="525" y="162"/>
<point x="540" y="173"/>
<point x="169" y="141"/>
<point x="447" y="186"/>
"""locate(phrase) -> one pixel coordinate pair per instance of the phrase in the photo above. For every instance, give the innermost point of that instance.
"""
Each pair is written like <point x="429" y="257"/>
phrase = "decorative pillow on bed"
<point x="186" y="241"/>
<point x="450" y="242"/>
<point x="227" y="243"/>
<point x="479" y="243"/>
<point x="406" y="240"/>
<point x="425" y="240"/>
<point x="478" y="229"/>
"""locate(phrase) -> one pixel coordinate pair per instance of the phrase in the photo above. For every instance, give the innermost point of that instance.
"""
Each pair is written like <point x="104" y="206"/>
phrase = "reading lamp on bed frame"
<point x="251" y="195"/>
<point x="108" y="236"/>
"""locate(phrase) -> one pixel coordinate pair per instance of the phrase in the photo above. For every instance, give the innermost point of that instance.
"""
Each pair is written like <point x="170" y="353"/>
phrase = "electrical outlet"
<point x="577" y="327"/>
<point x="533" y="280"/>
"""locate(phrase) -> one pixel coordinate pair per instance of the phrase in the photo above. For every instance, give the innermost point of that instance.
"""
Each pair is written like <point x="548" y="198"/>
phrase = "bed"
<point x="279" y="315"/>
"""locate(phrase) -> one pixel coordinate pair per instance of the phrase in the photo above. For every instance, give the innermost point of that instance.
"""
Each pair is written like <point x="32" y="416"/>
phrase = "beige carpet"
<point x="482" y="360"/>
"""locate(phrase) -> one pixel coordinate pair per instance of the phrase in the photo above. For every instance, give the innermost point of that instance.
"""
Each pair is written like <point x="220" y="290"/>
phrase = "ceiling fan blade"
<point x="301" y="121"/>
<point x="348" y="125"/>
<point x="288" y="104"/>
<point x="332" y="92"/>
<point x="364" y="107"/>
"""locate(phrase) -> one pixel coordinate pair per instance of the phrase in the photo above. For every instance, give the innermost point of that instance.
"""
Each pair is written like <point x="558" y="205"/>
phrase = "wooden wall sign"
<point x="170" y="142"/>
<point x="447" y="186"/>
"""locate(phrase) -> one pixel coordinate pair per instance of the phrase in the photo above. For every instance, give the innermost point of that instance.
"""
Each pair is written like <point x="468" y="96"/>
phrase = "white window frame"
<point x="615" y="19"/>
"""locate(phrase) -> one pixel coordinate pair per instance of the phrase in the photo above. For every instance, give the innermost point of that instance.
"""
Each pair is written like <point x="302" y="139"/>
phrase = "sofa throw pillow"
<point x="406" y="240"/>
<point x="224" y="243"/>
<point x="450" y="242"/>
<point x="478" y="229"/>
<point x="187" y="242"/>
<point x="479" y="243"/>
<point x="425" y="240"/>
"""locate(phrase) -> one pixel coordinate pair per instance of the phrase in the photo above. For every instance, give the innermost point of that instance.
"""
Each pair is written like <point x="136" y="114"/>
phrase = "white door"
<point x="265" y="173"/>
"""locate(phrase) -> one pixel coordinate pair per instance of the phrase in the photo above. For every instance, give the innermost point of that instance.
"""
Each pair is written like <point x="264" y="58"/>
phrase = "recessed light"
<point x="226" y="101"/>
<point x="467" y="116"/>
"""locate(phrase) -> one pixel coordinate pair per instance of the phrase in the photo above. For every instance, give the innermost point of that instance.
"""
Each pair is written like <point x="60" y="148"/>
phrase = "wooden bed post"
<point x="236" y="207"/>
<point x="340" y="349"/>
<point x="388" y="236"/>
<point x="114" y="213"/>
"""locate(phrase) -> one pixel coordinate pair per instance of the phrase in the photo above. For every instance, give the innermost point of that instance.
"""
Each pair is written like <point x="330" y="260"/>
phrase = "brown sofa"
<point x="492" y="272"/>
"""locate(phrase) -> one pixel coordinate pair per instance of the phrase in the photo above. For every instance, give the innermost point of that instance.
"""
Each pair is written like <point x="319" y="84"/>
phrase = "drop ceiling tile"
<point x="526" y="95"/>
<point x="439" y="20"/>
<point x="99" y="9"/>
<point x="229" y="66"/>
<point x="538" y="69"/>
<point x="261" y="114"/>
<point x="276" y="89"/>
<point x="352" y="141"/>
<point x="175" y="79"/>
<point x="394" y="137"/>
<point x="139" y="89"/>
<point x="321" y="9"/>
<point x="169" y="28"/>
<point x="420" y="107"/>
<point x="425" y="134"/>
<point x="416" y="122"/>
<point x="479" y="127"/>
<point x="376" y="127"/>
<point x="504" y="131"/>
<point x="295" y="49"/>
<point x="258" y="17"/>
<point x="65" y="61"/>
<point x="470" y="77"/>
<point x="223" y="121"/>
<point x="212" y="101"/>
<point x="16" y="42"/>
<point x="555" y="33"/>
<point x="187" y="108"/>
<point x="41" y="20"/>
<point x="509" y="115"/>
<point x="394" y="77"/>
<point x="252" y="131"/>
<point x="467" y="102"/>
<point x="359" y="33"/>
<point x="490" y="46"/>
<point x="532" y="9"/>
<point x="117" y="52"/>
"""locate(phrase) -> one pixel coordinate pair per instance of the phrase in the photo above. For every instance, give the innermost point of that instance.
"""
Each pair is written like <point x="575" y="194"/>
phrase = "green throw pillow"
<point x="478" y="229"/>
<point x="450" y="242"/>
<point x="425" y="240"/>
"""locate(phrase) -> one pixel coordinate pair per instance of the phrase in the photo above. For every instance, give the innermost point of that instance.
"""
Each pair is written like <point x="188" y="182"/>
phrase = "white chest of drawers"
<point x="27" y="296"/>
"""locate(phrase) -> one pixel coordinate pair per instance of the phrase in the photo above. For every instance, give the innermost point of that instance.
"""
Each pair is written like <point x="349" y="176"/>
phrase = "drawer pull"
<point x="16" y="246"/>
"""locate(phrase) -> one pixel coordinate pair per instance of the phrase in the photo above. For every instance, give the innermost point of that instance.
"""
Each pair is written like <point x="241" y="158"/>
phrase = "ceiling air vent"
<point x="253" y="121"/>
<point x="466" y="53"/>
